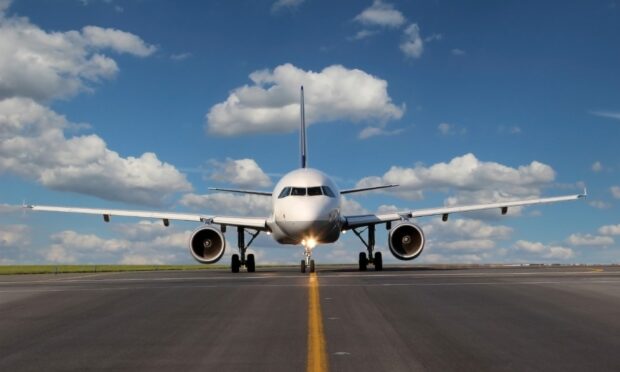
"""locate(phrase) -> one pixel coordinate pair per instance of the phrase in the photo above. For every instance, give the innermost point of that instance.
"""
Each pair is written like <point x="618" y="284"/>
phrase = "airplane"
<point x="307" y="212"/>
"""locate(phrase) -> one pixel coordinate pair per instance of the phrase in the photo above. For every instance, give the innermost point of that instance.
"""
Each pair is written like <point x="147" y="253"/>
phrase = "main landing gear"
<point x="374" y="258"/>
<point x="307" y="263"/>
<point x="241" y="259"/>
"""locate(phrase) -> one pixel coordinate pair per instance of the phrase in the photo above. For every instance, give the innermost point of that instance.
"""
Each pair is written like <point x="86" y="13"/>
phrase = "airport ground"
<point x="400" y="319"/>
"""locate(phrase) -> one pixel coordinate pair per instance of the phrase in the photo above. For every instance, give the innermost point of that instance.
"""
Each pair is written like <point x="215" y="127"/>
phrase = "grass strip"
<point x="63" y="269"/>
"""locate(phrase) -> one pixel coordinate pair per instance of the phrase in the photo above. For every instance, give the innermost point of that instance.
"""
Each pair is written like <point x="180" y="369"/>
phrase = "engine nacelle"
<point x="207" y="245"/>
<point x="406" y="241"/>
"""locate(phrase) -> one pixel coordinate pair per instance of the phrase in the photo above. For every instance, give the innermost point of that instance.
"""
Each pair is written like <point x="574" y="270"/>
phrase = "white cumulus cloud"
<point x="473" y="179"/>
<point x="590" y="240"/>
<point x="412" y="44"/>
<point x="7" y="208"/>
<point x="37" y="66"/>
<point x="381" y="14"/>
<point x="543" y="250"/>
<point x="285" y="4"/>
<point x="609" y="230"/>
<point x="12" y="236"/>
<point x="271" y="103"/>
<point x="222" y="203"/>
<point x="143" y="230"/>
<point x="138" y="244"/>
<point x="464" y="235"/>
<point x="45" y="65"/>
<point x="378" y="131"/>
<point x="615" y="191"/>
<point x="241" y="172"/>
<point x="351" y="207"/>
<point x="447" y="129"/>
<point x="4" y="4"/>
<point x="33" y="145"/>
<point x="117" y="40"/>
<point x="598" y="204"/>
<point x="363" y="34"/>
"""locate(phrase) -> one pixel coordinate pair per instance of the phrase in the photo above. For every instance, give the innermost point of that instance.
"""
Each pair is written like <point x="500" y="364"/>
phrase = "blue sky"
<point x="144" y="104"/>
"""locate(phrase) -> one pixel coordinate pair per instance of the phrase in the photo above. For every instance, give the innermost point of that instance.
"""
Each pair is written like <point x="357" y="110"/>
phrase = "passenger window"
<point x="327" y="191"/>
<point x="284" y="193"/>
<point x="314" y="191"/>
<point x="298" y="191"/>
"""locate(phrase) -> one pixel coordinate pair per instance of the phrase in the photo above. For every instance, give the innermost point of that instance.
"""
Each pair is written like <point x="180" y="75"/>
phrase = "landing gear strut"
<point x="307" y="263"/>
<point x="373" y="257"/>
<point x="241" y="259"/>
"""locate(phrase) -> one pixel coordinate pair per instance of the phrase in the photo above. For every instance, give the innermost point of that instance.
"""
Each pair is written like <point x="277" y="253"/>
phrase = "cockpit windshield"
<point x="298" y="191"/>
<point x="313" y="191"/>
<point x="328" y="192"/>
<point x="284" y="193"/>
<point x="310" y="191"/>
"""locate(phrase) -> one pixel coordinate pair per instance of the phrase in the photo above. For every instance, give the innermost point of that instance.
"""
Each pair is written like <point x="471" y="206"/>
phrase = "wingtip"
<point x="584" y="194"/>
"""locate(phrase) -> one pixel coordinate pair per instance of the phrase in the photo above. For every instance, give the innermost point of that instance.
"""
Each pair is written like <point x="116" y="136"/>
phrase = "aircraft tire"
<point x="363" y="261"/>
<point x="378" y="261"/>
<point x="303" y="266"/>
<point x="235" y="263"/>
<point x="311" y="266"/>
<point x="250" y="263"/>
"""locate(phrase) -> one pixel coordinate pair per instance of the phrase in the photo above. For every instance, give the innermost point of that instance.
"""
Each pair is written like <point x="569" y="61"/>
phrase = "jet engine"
<point x="207" y="245"/>
<point x="406" y="241"/>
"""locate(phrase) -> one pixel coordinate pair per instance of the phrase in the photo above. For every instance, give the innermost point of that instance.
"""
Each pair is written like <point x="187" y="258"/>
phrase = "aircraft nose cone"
<point x="304" y="221"/>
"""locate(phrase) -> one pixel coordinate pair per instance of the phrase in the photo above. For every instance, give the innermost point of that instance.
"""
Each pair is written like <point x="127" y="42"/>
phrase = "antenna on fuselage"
<point x="302" y="134"/>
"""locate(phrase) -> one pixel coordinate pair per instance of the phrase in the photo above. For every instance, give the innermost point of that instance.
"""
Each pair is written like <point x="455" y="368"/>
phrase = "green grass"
<point x="59" y="269"/>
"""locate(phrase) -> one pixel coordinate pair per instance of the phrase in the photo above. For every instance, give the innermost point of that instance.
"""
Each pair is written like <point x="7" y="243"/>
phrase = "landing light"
<point x="309" y="243"/>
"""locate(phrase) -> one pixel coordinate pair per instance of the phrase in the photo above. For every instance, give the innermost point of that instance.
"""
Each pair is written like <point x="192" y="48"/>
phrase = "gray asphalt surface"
<point x="401" y="319"/>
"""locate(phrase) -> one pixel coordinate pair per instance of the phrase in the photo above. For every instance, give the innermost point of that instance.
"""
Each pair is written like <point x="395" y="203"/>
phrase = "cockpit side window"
<point x="328" y="192"/>
<point x="284" y="193"/>
<point x="298" y="191"/>
<point x="314" y="191"/>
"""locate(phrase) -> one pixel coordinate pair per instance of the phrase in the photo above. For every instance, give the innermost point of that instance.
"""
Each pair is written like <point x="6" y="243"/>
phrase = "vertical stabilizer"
<point x="302" y="134"/>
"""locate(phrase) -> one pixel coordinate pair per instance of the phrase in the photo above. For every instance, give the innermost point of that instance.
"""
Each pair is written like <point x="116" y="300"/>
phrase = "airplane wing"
<point x="249" y="222"/>
<point x="371" y="219"/>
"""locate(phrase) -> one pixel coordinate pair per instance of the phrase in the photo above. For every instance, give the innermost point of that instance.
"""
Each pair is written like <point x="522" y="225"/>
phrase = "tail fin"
<point x="302" y="134"/>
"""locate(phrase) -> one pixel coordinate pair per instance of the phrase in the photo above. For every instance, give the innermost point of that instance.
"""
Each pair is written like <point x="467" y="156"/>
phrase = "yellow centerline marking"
<point x="317" y="356"/>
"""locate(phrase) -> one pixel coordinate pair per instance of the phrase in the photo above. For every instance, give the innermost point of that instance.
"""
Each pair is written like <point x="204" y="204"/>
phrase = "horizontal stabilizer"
<point x="349" y="191"/>
<point x="253" y="192"/>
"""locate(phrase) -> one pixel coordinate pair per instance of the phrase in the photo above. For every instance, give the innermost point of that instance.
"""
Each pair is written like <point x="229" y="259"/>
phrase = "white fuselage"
<point x="306" y="208"/>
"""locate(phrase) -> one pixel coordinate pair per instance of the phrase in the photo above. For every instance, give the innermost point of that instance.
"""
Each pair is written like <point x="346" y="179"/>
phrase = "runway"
<point x="400" y="319"/>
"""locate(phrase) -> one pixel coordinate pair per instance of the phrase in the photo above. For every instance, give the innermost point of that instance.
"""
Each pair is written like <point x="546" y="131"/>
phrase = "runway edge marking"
<point x="317" y="355"/>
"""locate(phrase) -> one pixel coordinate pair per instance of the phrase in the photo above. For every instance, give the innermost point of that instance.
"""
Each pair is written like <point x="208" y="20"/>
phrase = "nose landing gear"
<point x="307" y="263"/>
